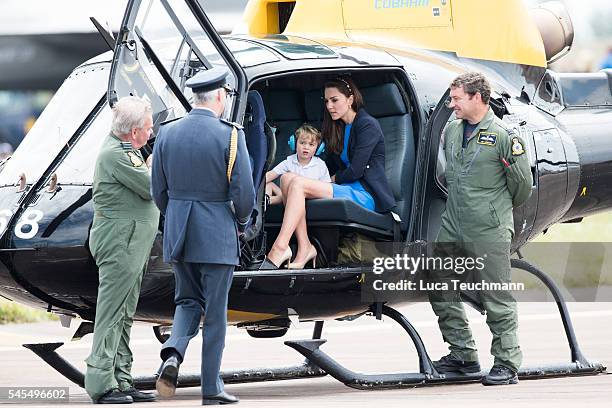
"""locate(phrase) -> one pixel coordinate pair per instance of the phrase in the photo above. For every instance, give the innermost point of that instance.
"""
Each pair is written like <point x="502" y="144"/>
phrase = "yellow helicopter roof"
<point x="497" y="30"/>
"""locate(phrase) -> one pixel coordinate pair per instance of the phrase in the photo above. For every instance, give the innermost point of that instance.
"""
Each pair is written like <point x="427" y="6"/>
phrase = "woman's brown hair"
<point x="333" y="130"/>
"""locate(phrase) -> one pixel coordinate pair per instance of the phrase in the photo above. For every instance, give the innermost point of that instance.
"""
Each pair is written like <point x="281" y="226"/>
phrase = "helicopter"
<point x="402" y="54"/>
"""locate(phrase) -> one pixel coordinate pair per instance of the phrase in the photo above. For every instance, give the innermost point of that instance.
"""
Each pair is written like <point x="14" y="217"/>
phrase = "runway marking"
<point x="306" y="332"/>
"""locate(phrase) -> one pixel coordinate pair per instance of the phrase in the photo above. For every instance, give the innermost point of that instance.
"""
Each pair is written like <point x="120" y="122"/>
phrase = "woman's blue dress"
<point x="353" y="191"/>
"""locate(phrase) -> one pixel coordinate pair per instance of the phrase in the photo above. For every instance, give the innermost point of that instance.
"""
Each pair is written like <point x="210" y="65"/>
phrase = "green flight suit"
<point x="485" y="180"/>
<point x="124" y="227"/>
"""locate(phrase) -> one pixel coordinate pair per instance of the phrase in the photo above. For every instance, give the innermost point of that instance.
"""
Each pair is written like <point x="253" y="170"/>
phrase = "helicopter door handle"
<point x="21" y="183"/>
<point x="52" y="186"/>
<point x="549" y="150"/>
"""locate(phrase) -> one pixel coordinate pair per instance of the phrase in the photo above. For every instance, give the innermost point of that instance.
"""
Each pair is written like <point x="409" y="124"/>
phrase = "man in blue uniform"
<point x="202" y="184"/>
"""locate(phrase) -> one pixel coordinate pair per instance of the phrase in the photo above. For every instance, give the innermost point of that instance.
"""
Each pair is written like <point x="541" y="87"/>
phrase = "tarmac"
<point x="364" y="345"/>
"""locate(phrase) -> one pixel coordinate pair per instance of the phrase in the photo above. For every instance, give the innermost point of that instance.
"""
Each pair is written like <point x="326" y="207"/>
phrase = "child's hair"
<point x="307" y="129"/>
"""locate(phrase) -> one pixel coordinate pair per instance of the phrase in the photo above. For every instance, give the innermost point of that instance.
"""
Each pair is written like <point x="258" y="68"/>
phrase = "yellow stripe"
<point x="232" y="153"/>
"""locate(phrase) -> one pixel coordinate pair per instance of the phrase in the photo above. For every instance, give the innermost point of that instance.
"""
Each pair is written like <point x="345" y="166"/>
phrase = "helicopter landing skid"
<point x="47" y="352"/>
<point x="427" y="374"/>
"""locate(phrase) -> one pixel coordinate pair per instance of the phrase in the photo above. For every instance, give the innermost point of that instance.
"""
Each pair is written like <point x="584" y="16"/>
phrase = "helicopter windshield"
<point x="165" y="46"/>
<point x="64" y="114"/>
<point x="78" y="166"/>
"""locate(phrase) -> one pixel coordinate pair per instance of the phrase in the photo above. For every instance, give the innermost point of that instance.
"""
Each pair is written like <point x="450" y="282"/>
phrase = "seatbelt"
<point x="233" y="149"/>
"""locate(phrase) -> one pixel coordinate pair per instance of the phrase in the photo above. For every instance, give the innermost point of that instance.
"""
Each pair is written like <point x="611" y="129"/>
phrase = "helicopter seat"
<point x="386" y="104"/>
<point x="285" y="113"/>
<point x="255" y="119"/>
<point x="257" y="145"/>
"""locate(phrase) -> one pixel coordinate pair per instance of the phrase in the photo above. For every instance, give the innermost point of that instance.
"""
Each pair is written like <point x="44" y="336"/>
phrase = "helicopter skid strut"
<point x="427" y="374"/>
<point x="319" y="364"/>
<point x="47" y="352"/>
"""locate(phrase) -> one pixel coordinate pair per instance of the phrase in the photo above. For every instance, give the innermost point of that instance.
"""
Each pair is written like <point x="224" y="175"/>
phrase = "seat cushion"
<point x="337" y="211"/>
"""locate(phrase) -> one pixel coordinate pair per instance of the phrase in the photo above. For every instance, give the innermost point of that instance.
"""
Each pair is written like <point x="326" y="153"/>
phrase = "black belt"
<point x="210" y="196"/>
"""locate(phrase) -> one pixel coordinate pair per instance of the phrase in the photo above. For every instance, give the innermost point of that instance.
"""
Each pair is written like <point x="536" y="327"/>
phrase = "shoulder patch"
<point x="517" y="147"/>
<point x="136" y="161"/>
<point x="227" y="122"/>
<point x="487" y="138"/>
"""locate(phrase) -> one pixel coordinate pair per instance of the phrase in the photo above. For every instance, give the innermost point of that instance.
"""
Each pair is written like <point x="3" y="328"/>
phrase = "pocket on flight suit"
<point x="493" y="216"/>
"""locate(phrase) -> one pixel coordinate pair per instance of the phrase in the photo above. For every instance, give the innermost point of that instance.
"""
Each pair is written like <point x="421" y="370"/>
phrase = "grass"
<point x="12" y="312"/>
<point x="579" y="255"/>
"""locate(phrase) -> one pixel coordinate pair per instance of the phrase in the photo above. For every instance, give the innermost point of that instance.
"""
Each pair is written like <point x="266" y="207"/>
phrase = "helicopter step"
<point x="427" y="374"/>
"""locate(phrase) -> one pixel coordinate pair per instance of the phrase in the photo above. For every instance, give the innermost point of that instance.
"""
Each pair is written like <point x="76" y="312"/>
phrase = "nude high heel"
<point x="267" y="264"/>
<point x="312" y="256"/>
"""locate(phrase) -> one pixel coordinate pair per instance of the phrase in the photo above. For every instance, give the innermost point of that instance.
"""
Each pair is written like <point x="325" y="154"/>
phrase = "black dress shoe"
<point x="168" y="377"/>
<point x="450" y="364"/>
<point x="139" y="396"/>
<point x="500" y="375"/>
<point x="221" y="398"/>
<point x="114" y="396"/>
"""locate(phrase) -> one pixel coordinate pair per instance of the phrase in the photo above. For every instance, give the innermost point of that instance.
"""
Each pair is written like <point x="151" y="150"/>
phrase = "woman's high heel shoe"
<point x="312" y="256"/>
<point x="267" y="264"/>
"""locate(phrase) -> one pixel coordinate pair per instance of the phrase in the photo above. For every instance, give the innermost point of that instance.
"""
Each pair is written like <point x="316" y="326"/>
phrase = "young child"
<point x="303" y="162"/>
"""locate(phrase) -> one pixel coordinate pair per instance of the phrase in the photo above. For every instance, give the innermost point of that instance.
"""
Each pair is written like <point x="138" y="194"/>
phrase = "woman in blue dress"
<point x="356" y="158"/>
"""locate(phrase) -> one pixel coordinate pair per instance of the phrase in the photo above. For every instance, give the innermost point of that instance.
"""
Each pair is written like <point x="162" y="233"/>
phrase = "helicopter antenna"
<point x="106" y="34"/>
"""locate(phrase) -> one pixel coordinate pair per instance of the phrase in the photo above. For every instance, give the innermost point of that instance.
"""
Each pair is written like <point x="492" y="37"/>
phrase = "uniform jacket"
<point x="366" y="153"/>
<point x="121" y="185"/>
<point x="485" y="179"/>
<point x="190" y="187"/>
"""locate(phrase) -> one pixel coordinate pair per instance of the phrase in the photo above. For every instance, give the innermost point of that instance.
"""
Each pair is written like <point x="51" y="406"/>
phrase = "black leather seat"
<point x="385" y="103"/>
<point x="285" y="112"/>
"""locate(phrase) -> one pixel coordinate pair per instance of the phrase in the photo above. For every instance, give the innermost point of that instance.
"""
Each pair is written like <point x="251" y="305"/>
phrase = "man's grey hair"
<point x="473" y="83"/>
<point x="128" y="113"/>
<point x="202" y="98"/>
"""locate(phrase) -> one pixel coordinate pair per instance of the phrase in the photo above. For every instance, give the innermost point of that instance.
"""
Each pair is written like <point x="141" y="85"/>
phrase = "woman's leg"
<point x="285" y="182"/>
<point x="301" y="232"/>
<point x="299" y="189"/>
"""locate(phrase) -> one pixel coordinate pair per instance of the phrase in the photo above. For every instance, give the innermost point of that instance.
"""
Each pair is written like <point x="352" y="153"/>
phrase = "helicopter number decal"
<point x="29" y="218"/>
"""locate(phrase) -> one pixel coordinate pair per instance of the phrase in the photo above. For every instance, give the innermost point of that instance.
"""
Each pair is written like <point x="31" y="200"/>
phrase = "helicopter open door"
<point x="430" y="197"/>
<point x="161" y="44"/>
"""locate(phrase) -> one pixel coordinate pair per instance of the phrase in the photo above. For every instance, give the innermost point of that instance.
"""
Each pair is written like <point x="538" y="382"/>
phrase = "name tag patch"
<point x="488" y="139"/>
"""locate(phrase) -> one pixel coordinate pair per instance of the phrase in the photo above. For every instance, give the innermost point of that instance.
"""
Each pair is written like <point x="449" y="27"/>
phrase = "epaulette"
<point x="510" y="130"/>
<point x="234" y="124"/>
<point x="127" y="146"/>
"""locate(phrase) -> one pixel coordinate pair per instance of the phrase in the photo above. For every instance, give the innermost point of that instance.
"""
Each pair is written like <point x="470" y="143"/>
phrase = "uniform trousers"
<point x="121" y="248"/>
<point x="201" y="288"/>
<point x="500" y="306"/>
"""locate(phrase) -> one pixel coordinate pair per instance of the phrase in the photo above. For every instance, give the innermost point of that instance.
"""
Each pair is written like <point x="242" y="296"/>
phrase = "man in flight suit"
<point x="124" y="227"/>
<point x="487" y="173"/>
<point x="202" y="183"/>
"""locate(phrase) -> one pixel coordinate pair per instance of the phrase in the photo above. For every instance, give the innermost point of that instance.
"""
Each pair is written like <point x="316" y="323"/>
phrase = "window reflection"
<point x="78" y="166"/>
<point x="66" y="111"/>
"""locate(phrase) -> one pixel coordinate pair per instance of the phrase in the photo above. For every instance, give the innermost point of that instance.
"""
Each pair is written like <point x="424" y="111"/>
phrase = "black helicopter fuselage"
<point x="44" y="256"/>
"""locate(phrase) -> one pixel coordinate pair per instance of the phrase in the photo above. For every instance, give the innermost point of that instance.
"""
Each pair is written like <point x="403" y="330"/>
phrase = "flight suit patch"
<point x="488" y="139"/>
<point x="136" y="161"/>
<point x="517" y="147"/>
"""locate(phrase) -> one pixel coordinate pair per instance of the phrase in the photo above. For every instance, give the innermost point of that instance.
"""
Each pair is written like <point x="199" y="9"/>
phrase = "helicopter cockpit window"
<point x="66" y="111"/>
<point x="165" y="46"/>
<point x="78" y="166"/>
